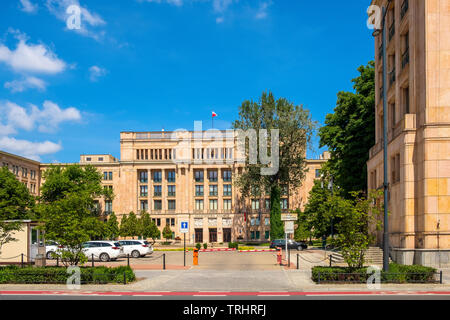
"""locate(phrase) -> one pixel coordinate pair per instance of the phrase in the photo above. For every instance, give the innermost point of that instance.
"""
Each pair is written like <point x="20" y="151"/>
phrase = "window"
<point x="213" y="205"/>
<point x="157" y="222"/>
<point x="171" y="205"/>
<point x="171" y="191"/>
<point x="267" y="203"/>
<point x="317" y="173"/>
<point x="144" y="205"/>
<point x="157" y="176"/>
<point x="227" y="175"/>
<point x="143" y="176"/>
<point x="406" y="100"/>
<point x="212" y="176"/>
<point x="227" y="204"/>
<point x="199" y="176"/>
<point x="107" y="176"/>
<point x="144" y="191"/>
<point x="199" y="191"/>
<point x="108" y="206"/>
<point x="227" y="190"/>
<point x="395" y="168"/>
<point x="157" y="204"/>
<point x="171" y="176"/>
<point x="213" y="190"/>
<point x="393" y="115"/>
<point x="267" y="221"/>
<point x="284" y="204"/>
<point x="88" y="159"/>
<point x="255" y="204"/>
<point x="267" y="235"/>
<point x="100" y="159"/>
<point x="24" y="172"/>
<point x="157" y="191"/>
<point x="199" y="205"/>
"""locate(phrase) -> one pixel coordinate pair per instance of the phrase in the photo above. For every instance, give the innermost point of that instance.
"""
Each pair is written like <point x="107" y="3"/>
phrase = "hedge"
<point x="59" y="275"/>
<point x="397" y="274"/>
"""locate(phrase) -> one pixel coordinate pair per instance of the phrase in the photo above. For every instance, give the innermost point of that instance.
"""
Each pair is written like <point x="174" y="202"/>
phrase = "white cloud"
<point x="27" y="83"/>
<point x="29" y="149"/>
<point x="28" y="6"/>
<point x="89" y="20"/>
<point x="35" y="58"/>
<point x="96" y="72"/>
<point x="14" y="117"/>
<point x="262" y="11"/>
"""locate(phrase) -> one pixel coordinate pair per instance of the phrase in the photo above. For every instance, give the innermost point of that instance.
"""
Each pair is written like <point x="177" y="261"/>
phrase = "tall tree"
<point x="112" y="226"/>
<point x="349" y="132"/>
<point x="67" y="208"/>
<point x="16" y="203"/>
<point x="148" y="228"/>
<point x="295" y="131"/>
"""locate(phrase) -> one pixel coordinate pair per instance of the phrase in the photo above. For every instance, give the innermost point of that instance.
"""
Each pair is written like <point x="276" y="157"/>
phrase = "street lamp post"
<point x="385" y="142"/>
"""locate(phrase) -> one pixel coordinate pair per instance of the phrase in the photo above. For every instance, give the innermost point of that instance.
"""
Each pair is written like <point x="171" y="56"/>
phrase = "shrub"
<point x="205" y="246"/>
<point x="100" y="275"/>
<point x="397" y="274"/>
<point x="198" y="246"/>
<point x="233" y="245"/>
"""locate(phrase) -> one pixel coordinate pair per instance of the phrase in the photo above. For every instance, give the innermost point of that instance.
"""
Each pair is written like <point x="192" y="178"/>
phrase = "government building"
<point x="181" y="176"/>
<point x="418" y="96"/>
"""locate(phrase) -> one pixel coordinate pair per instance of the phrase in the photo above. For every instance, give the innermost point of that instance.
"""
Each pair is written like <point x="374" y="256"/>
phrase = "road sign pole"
<point x="286" y="246"/>
<point x="184" y="249"/>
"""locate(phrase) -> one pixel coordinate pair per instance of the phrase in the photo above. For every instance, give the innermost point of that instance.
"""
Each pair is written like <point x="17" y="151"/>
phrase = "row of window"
<point x="212" y="153"/>
<point x="17" y="169"/>
<point x="199" y="175"/>
<point x="157" y="176"/>
<point x="169" y="222"/>
<point x="157" y="205"/>
<point x="214" y="190"/>
<point x="155" y="154"/>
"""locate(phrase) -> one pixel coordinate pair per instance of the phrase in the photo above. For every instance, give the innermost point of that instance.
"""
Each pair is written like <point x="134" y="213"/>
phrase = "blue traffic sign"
<point x="184" y="227"/>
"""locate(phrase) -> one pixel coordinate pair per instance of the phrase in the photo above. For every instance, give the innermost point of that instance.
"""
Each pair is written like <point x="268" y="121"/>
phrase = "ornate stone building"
<point x="418" y="65"/>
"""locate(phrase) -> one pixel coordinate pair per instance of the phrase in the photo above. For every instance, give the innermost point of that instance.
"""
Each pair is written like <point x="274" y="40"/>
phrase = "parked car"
<point x="291" y="244"/>
<point x="103" y="250"/>
<point x="51" y="247"/>
<point x="136" y="248"/>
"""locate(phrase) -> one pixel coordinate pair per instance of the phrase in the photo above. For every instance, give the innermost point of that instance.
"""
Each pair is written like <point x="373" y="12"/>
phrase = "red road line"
<point x="206" y="294"/>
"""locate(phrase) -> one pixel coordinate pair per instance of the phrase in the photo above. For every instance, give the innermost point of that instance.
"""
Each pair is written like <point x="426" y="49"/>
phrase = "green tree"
<point x="349" y="132"/>
<point x="148" y="228"/>
<point x="124" y="226"/>
<point x="112" y="226"/>
<point x="304" y="226"/>
<point x="295" y="131"/>
<point x="16" y="203"/>
<point x="318" y="211"/>
<point x="167" y="232"/>
<point x="67" y="208"/>
<point x="356" y="215"/>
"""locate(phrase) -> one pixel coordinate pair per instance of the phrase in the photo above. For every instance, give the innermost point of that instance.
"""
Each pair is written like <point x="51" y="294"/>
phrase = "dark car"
<point x="291" y="244"/>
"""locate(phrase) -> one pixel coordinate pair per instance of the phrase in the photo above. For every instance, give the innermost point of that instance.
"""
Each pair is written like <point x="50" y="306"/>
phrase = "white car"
<point x="50" y="248"/>
<point x="103" y="250"/>
<point x="136" y="248"/>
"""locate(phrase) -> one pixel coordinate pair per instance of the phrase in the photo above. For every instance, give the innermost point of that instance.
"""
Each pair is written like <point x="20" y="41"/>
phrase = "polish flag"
<point x="214" y="114"/>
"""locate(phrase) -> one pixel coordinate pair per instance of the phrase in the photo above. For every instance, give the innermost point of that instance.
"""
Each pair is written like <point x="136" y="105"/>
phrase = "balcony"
<point x="405" y="58"/>
<point x="157" y="194"/>
<point x="171" y="194"/>
<point x="404" y="9"/>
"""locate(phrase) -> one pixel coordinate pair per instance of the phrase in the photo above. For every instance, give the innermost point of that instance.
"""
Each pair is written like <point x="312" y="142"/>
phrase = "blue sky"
<point x="145" y="65"/>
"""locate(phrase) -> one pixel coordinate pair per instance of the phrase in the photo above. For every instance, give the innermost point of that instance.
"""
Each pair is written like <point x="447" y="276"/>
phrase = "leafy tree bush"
<point x="67" y="207"/>
<point x="16" y="203"/>
<point x="112" y="227"/>
<point x="167" y="233"/>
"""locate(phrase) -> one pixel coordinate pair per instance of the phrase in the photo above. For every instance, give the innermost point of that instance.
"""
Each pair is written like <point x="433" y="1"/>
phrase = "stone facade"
<point x="418" y="65"/>
<point x="178" y="176"/>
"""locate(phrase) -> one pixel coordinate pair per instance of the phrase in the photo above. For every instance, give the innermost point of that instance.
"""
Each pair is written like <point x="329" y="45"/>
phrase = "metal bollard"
<point x="124" y="278"/>
<point x="331" y="257"/>
<point x="164" y="261"/>
<point x="128" y="259"/>
<point x="440" y="277"/>
<point x="22" y="261"/>
<point x="57" y="261"/>
<point x="92" y="260"/>
<point x="298" y="262"/>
